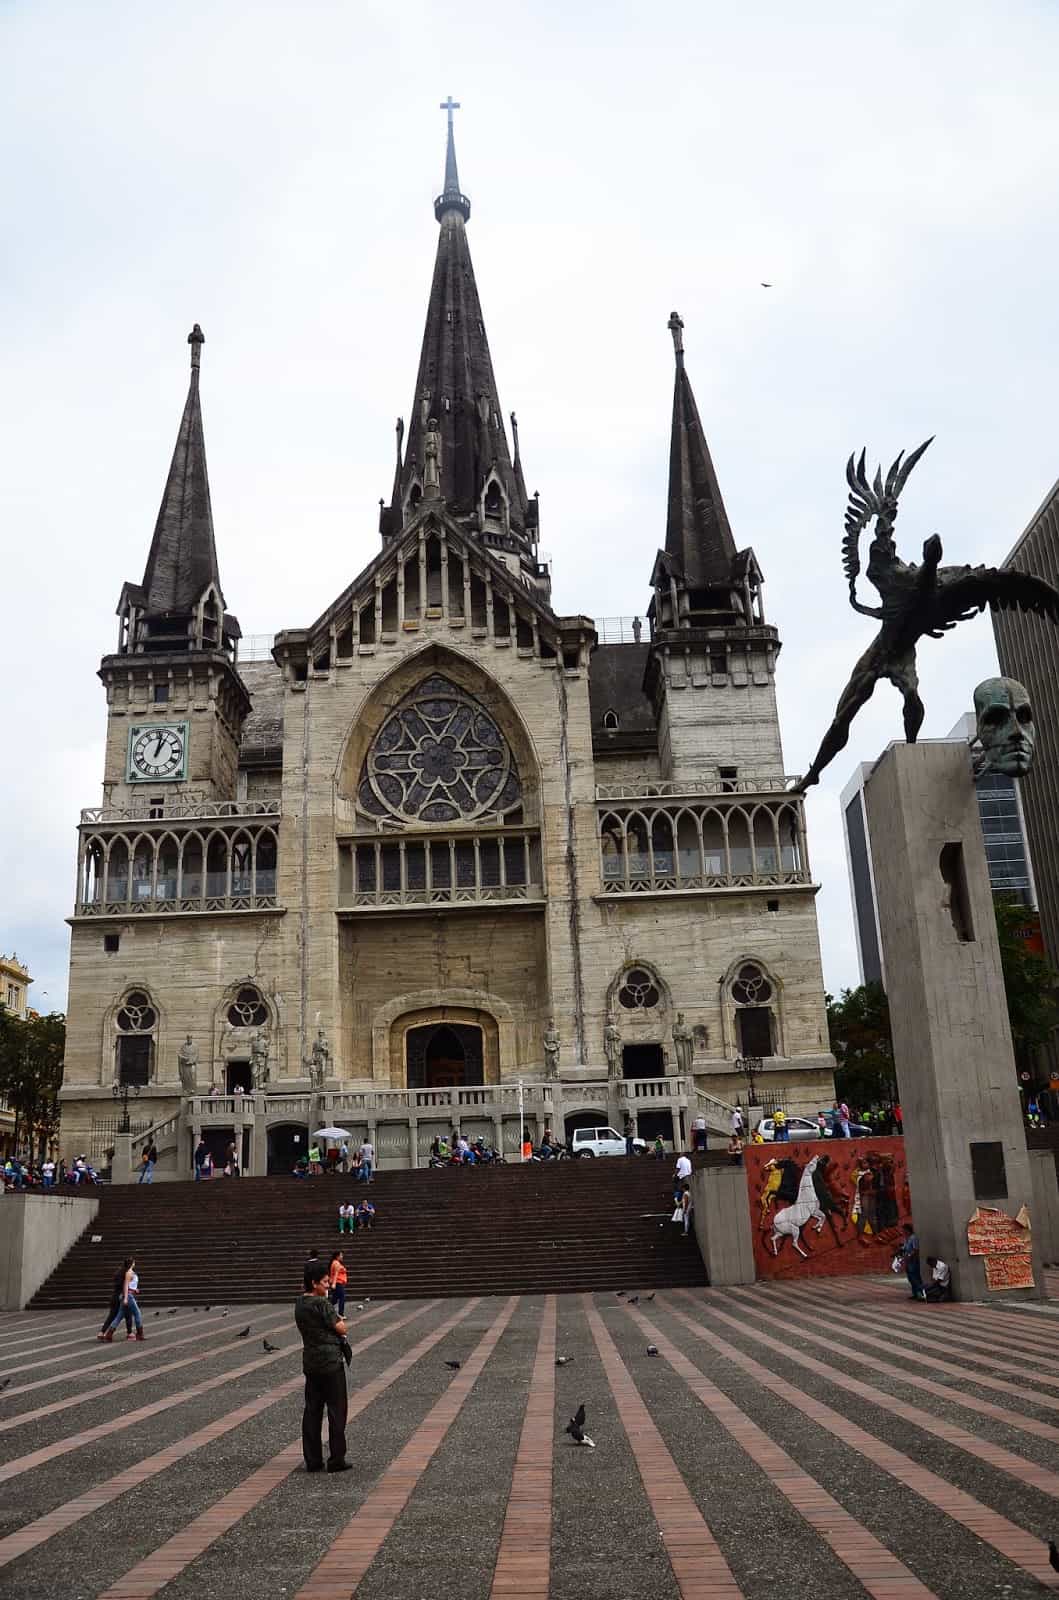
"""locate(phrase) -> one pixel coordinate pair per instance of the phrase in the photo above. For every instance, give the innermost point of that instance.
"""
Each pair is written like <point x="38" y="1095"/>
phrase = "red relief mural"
<point x="826" y="1207"/>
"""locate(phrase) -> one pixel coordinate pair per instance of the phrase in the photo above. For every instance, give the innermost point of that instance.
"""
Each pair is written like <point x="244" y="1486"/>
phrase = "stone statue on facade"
<point x="683" y="1044"/>
<point x="320" y="1060"/>
<point x="917" y="602"/>
<point x="259" y="1046"/>
<point x="637" y="629"/>
<point x="1006" y="730"/>
<point x="187" y="1065"/>
<point x="552" y="1044"/>
<point x="432" y="460"/>
<point x="612" y="1046"/>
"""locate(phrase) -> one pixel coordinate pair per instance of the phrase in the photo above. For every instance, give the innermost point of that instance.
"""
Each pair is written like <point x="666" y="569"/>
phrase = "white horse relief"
<point x="788" y="1223"/>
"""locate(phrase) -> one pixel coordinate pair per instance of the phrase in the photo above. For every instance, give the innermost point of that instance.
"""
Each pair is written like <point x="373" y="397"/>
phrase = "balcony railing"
<point x="650" y="848"/>
<point x="668" y="789"/>
<point x="384" y="873"/>
<point x="155" y="868"/>
<point x="170" y="808"/>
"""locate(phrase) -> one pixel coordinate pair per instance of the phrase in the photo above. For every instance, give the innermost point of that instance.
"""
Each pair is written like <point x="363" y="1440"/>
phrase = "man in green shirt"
<point x="323" y="1334"/>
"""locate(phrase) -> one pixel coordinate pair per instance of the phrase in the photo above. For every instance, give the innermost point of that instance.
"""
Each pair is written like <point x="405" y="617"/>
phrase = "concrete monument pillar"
<point x="965" y="1143"/>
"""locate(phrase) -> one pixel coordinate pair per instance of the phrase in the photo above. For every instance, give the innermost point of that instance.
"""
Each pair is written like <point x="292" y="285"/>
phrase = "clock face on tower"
<point x="158" y="752"/>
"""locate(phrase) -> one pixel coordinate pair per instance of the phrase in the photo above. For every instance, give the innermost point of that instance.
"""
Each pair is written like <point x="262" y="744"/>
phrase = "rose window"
<point x="248" y="1010"/>
<point x="638" y="991"/>
<point x="751" y="987"/>
<point x="439" y="757"/>
<point x="137" y="1014"/>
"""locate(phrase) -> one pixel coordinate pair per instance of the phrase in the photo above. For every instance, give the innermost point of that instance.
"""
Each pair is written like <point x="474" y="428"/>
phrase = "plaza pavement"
<point x="825" y="1440"/>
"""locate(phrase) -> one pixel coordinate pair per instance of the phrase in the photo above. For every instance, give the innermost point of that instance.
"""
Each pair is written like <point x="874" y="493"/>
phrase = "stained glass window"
<point x="439" y="757"/>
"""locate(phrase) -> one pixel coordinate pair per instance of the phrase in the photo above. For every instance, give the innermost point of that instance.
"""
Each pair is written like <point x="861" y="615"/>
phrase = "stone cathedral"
<point x="444" y="855"/>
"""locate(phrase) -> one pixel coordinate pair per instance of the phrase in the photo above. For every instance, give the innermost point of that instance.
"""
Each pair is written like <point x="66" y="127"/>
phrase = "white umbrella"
<point x="332" y="1133"/>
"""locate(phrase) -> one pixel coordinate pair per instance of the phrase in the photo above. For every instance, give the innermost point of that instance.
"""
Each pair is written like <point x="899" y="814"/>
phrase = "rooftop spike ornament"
<point x="917" y="602"/>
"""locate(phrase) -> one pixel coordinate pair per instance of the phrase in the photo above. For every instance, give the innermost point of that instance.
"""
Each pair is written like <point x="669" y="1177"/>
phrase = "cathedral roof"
<point x="456" y="387"/>
<point x="182" y="562"/>
<point x="699" y="544"/>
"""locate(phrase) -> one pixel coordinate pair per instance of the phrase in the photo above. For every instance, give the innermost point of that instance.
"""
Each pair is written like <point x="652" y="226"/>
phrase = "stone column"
<point x="965" y="1143"/>
<point x="259" y="1145"/>
<point x="121" y="1164"/>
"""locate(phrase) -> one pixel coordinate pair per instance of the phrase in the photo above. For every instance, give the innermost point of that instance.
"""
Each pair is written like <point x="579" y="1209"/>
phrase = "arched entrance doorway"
<point x="287" y="1143"/>
<point x="445" y="1055"/>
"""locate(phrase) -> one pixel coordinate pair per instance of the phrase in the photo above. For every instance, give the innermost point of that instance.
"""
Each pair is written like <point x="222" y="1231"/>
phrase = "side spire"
<point x="180" y="604"/>
<point x="699" y="539"/>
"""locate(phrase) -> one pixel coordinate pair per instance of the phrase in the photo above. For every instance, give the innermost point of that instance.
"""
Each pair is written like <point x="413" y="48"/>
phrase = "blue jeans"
<point x="364" y="1172"/>
<point x="146" y="1172"/>
<point x="130" y="1305"/>
<point x="338" y="1298"/>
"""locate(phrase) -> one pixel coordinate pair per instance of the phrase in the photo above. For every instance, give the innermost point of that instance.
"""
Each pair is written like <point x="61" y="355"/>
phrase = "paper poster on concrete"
<point x="1004" y="1242"/>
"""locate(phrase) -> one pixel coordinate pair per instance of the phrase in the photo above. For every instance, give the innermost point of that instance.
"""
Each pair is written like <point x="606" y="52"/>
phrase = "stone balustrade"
<point x="691" y="844"/>
<point x="384" y="872"/>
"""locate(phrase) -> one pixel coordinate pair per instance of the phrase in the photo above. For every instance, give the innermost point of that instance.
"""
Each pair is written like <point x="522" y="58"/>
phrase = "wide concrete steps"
<point x="565" y="1226"/>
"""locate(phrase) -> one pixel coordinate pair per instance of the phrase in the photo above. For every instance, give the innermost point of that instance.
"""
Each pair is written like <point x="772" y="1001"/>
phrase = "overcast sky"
<point x="267" y="170"/>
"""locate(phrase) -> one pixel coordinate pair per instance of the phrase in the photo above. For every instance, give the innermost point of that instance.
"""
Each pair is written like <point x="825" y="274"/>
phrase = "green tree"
<point x="1030" y="985"/>
<point x="858" y="1023"/>
<point x="31" y="1070"/>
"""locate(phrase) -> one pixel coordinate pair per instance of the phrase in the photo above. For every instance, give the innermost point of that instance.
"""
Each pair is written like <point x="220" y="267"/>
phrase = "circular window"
<point x="638" y="991"/>
<point x="248" y="1009"/>
<point x="439" y="757"/>
<point x="137" y="1014"/>
<point x="750" y="987"/>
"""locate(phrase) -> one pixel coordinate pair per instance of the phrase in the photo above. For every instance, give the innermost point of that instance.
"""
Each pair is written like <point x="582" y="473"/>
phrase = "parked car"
<point x="857" y="1130"/>
<point x="602" y="1142"/>
<point x="799" y="1127"/>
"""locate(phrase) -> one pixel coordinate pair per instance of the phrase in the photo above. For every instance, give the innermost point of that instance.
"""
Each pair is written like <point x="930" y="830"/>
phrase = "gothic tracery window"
<point x="439" y="757"/>
<point x="752" y="993"/>
<point x="750" y="987"/>
<point x="248" y="1009"/>
<point x="137" y="1014"/>
<point x="135" y="1021"/>
<point x="638" y="990"/>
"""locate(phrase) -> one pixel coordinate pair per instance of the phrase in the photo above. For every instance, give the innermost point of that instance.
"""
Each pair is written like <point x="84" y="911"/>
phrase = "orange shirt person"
<point x="337" y="1279"/>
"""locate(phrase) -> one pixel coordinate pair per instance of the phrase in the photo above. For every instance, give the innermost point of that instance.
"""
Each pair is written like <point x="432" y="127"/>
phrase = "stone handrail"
<point x="177" y="809"/>
<point x="668" y="789"/>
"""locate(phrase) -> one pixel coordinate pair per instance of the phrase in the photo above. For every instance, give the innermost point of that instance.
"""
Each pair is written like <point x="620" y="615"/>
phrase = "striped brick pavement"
<point x="829" y="1440"/>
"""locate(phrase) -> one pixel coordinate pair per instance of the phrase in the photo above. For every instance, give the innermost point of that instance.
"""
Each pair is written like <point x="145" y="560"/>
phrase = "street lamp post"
<point x="749" y="1066"/>
<point x="121" y="1091"/>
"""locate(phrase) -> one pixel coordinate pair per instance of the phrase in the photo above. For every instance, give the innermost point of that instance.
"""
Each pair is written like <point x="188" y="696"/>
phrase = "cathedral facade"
<point x="445" y="857"/>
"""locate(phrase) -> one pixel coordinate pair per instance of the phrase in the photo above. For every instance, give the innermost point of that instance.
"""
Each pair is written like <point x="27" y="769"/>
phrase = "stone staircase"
<point x="558" y="1226"/>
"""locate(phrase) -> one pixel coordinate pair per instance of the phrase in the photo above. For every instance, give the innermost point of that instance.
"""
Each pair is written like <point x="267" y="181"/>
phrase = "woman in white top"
<point x="129" y="1302"/>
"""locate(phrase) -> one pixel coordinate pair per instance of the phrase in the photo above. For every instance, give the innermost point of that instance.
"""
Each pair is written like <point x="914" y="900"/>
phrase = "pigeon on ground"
<point x="633" y="1300"/>
<point x="172" y="1311"/>
<point x="207" y="1308"/>
<point x="244" y="1333"/>
<point x="619" y="1293"/>
<point x="158" y="1313"/>
<point x="648" y="1298"/>
<point x="4" y="1385"/>
<point x="360" y="1308"/>
<point x="224" y="1313"/>
<point x="563" y="1361"/>
<point x="652" y="1349"/>
<point x="455" y="1365"/>
<point x="576" y="1429"/>
<point x="1053" y="1554"/>
<point x="271" y="1348"/>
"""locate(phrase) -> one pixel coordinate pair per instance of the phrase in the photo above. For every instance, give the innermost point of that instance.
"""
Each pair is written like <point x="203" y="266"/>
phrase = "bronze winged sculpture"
<point x="916" y="601"/>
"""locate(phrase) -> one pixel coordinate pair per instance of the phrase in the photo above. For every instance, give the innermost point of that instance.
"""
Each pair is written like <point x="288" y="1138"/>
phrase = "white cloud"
<point x="268" y="171"/>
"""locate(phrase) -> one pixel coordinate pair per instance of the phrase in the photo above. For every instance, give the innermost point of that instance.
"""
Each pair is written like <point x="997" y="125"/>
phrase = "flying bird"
<point x="271" y="1348"/>
<point x="244" y="1333"/>
<point x="652" y="1349"/>
<point x="455" y="1365"/>
<point x="766" y="286"/>
<point x="576" y="1429"/>
<point x="1053" y="1554"/>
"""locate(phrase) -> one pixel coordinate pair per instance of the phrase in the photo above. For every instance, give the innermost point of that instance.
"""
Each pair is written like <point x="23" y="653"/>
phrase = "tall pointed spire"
<point x="456" y="399"/>
<point x="180" y="605"/>
<point x="183" y="559"/>
<point x="699" y="539"/>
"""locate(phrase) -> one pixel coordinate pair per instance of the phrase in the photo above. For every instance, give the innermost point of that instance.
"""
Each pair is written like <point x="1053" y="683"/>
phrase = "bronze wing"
<point x="961" y="591"/>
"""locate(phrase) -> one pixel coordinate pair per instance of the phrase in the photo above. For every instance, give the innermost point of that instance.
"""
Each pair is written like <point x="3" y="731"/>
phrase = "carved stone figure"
<point x="259" y="1047"/>
<point x="1006" y="728"/>
<point x="612" y="1046"/>
<point x="552" y="1043"/>
<point x="320" y="1062"/>
<point x="432" y="460"/>
<point x="683" y="1043"/>
<point x="187" y="1063"/>
<point x="637" y="630"/>
<point x="916" y="601"/>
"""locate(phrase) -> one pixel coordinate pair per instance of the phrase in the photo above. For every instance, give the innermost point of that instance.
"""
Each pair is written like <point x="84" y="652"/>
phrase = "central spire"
<point x="457" y="451"/>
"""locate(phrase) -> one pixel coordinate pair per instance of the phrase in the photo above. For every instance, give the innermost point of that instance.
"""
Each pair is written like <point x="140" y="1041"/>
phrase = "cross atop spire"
<point x="451" y="199"/>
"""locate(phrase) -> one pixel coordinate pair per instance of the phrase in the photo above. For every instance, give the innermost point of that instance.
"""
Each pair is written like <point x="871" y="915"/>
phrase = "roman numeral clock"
<point x="158" y="752"/>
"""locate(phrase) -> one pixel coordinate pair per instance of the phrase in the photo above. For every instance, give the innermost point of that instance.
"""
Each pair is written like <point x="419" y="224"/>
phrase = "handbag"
<point x="678" y="1214"/>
